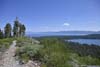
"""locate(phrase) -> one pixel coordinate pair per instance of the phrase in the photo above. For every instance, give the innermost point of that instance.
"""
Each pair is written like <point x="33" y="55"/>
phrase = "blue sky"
<point x="52" y="15"/>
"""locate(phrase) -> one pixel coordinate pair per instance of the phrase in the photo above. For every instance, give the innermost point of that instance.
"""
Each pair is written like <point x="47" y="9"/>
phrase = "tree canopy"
<point x="18" y="30"/>
<point x="1" y="34"/>
<point x="8" y="30"/>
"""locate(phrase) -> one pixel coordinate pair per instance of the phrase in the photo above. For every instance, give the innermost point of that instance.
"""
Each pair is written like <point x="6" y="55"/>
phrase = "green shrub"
<point x="54" y="53"/>
<point x="43" y="65"/>
<point x="51" y="52"/>
<point x="5" y="43"/>
<point x="29" y="51"/>
<point x="88" y="60"/>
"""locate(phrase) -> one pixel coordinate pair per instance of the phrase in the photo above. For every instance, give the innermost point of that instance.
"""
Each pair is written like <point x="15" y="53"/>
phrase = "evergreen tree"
<point x="1" y="34"/>
<point x="16" y="28"/>
<point x="23" y="30"/>
<point x="20" y="31"/>
<point x="7" y="30"/>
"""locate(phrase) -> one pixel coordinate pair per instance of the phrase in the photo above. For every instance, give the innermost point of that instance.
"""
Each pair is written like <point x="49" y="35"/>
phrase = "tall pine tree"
<point x="1" y="34"/>
<point x="7" y="30"/>
<point x="23" y="30"/>
<point x="16" y="28"/>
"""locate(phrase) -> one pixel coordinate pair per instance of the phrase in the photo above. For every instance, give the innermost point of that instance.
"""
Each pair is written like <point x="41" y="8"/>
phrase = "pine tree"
<point x="23" y="30"/>
<point x="20" y="30"/>
<point x="1" y="34"/>
<point x="7" y="30"/>
<point x="16" y="28"/>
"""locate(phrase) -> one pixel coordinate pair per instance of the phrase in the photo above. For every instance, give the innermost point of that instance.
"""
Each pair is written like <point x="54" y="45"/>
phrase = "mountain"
<point x="59" y="33"/>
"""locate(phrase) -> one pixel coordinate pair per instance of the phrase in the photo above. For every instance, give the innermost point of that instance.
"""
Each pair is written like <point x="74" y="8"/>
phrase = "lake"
<point x="86" y="41"/>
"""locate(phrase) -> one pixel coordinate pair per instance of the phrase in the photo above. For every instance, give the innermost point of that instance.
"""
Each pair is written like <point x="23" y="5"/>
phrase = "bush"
<point x="5" y="43"/>
<point x="88" y="60"/>
<point x="54" y="53"/>
<point x="29" y="51"/>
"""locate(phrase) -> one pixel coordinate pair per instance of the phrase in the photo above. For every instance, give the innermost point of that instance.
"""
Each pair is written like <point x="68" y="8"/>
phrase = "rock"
<point x="32" y="64"/>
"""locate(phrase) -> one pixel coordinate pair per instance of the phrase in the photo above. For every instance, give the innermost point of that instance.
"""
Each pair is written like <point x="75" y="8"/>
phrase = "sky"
<point x="52" y="15"/>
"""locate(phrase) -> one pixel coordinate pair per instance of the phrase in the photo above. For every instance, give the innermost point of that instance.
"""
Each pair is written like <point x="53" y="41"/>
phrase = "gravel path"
<point x="8" y="59"/>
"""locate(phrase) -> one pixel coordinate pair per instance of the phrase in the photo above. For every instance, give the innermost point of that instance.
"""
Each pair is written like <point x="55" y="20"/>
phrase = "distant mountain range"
<point x="59" y="33"/>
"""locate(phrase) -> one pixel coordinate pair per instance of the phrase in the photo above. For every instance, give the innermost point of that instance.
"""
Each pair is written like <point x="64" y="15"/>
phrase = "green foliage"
<point x="84" y="49"/>
<point x="85" y="60"/>
<point x="23" y="29"/>
<point x="18" y="29"/>
<point x="21" y="41"/>
<point x="43" y="65"/>
<point x="55" y="50"/>
<point x="55" y="53"/>
<point x="1" y="34"/>
<point x="29" y="50"/>
<point x="8" y="30"/>
<point x="88" y="60"/>
<point x="5" y="43"/>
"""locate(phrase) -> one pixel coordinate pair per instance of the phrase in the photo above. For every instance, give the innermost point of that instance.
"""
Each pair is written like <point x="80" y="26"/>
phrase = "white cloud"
<point x="66" y="24"/>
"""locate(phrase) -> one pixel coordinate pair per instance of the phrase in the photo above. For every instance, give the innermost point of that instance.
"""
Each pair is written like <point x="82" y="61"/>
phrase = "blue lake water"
<point x="86" y="41"/>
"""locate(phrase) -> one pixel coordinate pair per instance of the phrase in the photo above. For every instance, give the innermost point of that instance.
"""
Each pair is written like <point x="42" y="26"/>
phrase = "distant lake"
<point x="86" y="41"/>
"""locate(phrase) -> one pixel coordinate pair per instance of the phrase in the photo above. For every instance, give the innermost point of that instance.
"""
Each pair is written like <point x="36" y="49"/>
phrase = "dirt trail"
<point x="8" y="59"/>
